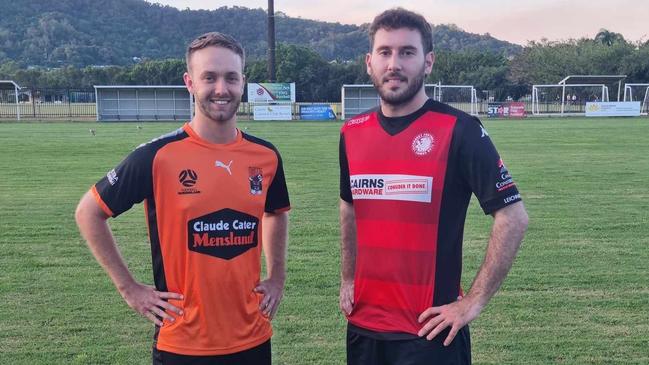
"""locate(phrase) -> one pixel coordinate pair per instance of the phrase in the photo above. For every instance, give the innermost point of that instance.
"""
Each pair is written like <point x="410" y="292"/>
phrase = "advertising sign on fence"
<point x="516" y="109"/>
<point x="613" y="109"/>
<point x="269" y="92"/>
<point x="317" y="112"/>
<point x="272" y="112"/>
<point x="511" y="109"/>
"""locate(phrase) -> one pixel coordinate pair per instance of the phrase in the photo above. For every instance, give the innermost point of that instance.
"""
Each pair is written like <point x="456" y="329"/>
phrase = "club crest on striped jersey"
<point x="423" y="143"/>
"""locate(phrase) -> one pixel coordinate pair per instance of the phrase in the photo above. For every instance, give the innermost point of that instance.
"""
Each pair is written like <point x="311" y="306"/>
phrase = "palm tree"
<point x="608" y="38"/>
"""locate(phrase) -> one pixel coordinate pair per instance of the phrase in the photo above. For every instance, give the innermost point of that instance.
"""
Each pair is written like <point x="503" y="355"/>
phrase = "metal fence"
<point x="80" y="104"/>
<point x="50" y="104"/>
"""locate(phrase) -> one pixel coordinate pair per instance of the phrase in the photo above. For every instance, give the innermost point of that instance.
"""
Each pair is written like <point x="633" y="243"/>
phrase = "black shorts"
<point x="259" y="355"/>
<point x="365" y="350"/>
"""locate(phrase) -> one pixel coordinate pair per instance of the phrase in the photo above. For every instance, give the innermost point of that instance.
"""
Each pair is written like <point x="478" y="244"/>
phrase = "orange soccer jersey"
<point x="204" y="204"/>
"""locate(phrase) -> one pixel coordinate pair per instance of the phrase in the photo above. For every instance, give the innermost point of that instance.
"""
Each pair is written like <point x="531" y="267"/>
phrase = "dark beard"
<point x="405" y="96"/>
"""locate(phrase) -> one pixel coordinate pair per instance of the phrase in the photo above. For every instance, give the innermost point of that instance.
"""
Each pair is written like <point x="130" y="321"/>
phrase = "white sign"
<point x="392" y="187"/>
<point x="268" y="92"/>
<point x="613" y="109"/>
<point x="272" y="112"/>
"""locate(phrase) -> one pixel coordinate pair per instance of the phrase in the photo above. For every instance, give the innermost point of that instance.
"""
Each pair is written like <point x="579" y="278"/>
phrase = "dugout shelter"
<point x="143" y="103"/>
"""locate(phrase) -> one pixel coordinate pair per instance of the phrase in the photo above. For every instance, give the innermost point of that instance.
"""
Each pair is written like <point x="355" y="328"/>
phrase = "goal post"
<point x="566" y="99"/>
<point x="638" y="92"/>
<point x="356" y="99"/>
<point x="463" y="97"/>
<point x="9" y="101"/>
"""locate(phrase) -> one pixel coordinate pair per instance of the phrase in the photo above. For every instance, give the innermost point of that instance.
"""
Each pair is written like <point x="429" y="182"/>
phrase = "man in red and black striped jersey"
<point x="214" y="197"/>
<point x="408" y="170"/>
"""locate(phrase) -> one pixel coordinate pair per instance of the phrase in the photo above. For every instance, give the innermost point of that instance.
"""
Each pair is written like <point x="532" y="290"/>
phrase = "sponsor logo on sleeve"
<point x="423" y="144"/>
<point x="188" y="179"/>
<point x="225" y="234"/>
<point x="255" y="177"/>
<point x="484" y="132"/>
<point x="358" y="120"/>
<point x="392" y="187"/>
<point x="512" y="198"/>
<point x="505" y="180"/>
<point x="112" y="177"/>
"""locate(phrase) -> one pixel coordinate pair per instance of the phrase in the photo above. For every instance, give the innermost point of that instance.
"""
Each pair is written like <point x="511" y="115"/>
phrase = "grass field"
<point x="578" y="292"/>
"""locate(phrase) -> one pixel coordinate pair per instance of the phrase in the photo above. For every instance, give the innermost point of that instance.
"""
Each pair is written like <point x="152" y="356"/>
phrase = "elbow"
<point x="524" y="221"/>
<point x="79" y="212"/>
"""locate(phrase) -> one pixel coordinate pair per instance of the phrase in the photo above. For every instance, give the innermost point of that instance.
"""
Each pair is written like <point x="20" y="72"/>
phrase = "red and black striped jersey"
<point x="204" y="205"/>
<point x="410" y="180"/>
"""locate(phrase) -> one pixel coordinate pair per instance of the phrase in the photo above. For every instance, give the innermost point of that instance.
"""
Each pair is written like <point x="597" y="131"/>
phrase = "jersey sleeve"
<point x="127" y="184"/>
<point x="345" y="187"/>
<point x="484" y="171"/>
<point x="277" y="199"/>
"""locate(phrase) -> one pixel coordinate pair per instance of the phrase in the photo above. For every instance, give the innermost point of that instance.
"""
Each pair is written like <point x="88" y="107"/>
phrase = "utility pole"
<point x="271" y="41"/>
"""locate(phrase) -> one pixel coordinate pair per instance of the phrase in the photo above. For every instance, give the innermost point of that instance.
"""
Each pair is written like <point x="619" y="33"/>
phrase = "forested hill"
<point x="115" y="32"/>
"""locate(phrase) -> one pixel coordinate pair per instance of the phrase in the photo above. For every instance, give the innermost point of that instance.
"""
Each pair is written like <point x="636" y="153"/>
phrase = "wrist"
<point x="127" y="287"/>
<point x="476" y="302"/>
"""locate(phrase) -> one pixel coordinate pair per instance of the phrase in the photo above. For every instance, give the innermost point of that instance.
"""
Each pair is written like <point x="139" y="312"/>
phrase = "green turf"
<point x="578" y="292"/>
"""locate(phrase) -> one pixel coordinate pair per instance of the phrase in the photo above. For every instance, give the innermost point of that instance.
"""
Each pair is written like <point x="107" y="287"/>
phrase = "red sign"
<point x="516" y="110"/>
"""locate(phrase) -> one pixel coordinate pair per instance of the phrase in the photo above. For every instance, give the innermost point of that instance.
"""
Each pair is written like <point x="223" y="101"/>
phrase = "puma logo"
<point x="221" y="164"/>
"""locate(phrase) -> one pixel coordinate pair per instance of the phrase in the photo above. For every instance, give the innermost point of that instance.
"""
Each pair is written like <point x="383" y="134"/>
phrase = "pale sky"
<point x="516" y="21"/>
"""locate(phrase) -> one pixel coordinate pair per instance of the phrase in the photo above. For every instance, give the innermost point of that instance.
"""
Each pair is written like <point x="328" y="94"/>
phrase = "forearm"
<point x="275" y="228"/>
<point x="94" y="228"/>
<point x="509" y="227"/>
<point x="347" y="241"/>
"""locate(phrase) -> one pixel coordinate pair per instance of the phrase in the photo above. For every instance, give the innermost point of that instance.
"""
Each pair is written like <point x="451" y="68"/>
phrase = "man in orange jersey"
<point x="214" y="197"/>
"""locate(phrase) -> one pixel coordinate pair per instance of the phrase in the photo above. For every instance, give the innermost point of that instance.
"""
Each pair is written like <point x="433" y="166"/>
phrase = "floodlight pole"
<point x="271" y="41"/>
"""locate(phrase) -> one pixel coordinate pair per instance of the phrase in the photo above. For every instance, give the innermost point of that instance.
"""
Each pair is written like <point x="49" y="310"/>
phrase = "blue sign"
<point x="317" y="112"/>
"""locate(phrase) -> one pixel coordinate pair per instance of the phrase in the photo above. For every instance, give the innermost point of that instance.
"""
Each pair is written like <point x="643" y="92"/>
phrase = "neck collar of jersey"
<point x="192" y="133"/>
<point x="394" y="125"/>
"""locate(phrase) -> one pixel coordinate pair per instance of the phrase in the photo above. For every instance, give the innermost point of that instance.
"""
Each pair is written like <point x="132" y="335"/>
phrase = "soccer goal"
<point x="638" y="92"/>
<point x="566" y="99"/>
<point x="9" y="103"/>
<point x="461" y="97"/>
<point x="357" y="99"/>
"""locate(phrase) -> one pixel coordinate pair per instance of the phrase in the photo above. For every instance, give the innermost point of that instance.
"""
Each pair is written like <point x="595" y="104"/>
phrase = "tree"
<point x="608" y="38"/>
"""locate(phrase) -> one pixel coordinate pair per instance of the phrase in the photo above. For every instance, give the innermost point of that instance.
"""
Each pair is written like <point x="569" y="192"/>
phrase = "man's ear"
<point x="368" y="63"/>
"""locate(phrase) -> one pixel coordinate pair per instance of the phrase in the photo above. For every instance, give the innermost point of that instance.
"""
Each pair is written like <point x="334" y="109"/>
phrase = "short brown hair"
<point x="398" y="18"/>
<point x="215" y="39"/>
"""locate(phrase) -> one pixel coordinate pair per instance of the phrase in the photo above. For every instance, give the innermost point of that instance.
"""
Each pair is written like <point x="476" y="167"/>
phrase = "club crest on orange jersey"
<point x="255" y="177"/>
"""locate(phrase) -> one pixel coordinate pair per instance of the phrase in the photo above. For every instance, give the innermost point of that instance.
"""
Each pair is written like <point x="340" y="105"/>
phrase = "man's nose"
<point x="394" y="64"/>
<point x="220" y="87"/>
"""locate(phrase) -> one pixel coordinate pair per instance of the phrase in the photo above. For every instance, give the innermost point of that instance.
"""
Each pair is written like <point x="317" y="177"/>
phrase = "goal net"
<point x="461" y="97"/>
<point x="568" y="99"/>
<point x="638" y="92"/>
<point x="9" y="105"/>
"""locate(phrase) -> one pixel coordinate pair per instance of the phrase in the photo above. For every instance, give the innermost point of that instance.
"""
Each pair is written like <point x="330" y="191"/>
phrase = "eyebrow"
<point x="404" y="48"/>
<point x="213" y="73"/>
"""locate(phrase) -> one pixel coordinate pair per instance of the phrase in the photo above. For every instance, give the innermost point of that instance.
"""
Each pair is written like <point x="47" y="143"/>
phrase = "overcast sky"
<point x="516" y="21"/>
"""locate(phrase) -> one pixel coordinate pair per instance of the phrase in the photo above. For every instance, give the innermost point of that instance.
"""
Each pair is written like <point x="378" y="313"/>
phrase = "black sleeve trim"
<point x="132" y="180"/>
<point x="277" y="198"/>
<point x="345" y="187"/>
